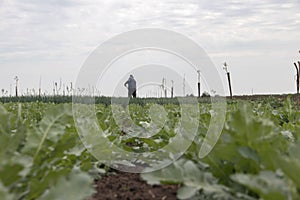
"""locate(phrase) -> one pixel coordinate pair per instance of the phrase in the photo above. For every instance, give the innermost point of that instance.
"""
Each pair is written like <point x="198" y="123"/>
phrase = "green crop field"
<point x="256" y="156"/>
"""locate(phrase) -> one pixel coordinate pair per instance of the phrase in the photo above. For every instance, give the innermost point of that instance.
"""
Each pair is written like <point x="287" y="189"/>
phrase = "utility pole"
<point x="228" y="77"/>
<point x="16" y="79"/>
<point x="199" y="94"/>
<point x="172" y="89"/>
<point x="164" y="83"/>
<point x="297" y="76"/>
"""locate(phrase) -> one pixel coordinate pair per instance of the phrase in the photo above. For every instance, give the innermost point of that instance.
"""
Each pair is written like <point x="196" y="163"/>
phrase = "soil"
<point x="130" y="186"/>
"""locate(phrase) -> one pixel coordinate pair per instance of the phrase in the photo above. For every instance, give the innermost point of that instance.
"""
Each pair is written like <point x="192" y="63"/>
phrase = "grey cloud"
<point x="51" y="20"/>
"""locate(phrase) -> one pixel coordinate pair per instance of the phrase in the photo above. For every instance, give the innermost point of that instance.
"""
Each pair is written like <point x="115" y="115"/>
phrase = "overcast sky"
<point x="50" y="40"/>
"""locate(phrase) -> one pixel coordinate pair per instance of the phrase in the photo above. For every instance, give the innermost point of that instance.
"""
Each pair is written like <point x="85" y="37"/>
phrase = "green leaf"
<point x="247" y="152"/>
<point x="267" y="184"/>
<point x="12" y="133"/>
<point x="171" y="174"/>
<point x="5" y="116"/>
<point x="187" y="192"/>
<point x="192" y="175"/>
<point x="44" y="177"/>
<point x="9" y="173"/>
<point x="290" y="165"/>
<point x="76" y="187"/>
<point x="192" y="178"/>
<point x="50" y="128"/>
<point x="291" y="168"/>
<point x="4" y="193"/>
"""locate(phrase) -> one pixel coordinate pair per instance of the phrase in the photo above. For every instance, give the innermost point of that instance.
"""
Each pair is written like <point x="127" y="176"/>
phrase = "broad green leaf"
<point x="50" y="128"/>
<point x="14" y="169"/>
<point x="187" y="192"/>
<point x="247" y="152"/>
<point x="192" y="178"/>
<point x="5" y="126"/>
<point x="5" y="194"/>
<point x="291" y="168"/>
<point x="10" y="173"/>
<point x="267" y="184"/>
<point x="12" y="133"/>
<point x="192" y="175"/>
<point x="76" y="187"/>
<point x="290" y="165"/>
<point x="259" y="136"/>
<point x="171" y="174"/>
<point x="45" y="176"/>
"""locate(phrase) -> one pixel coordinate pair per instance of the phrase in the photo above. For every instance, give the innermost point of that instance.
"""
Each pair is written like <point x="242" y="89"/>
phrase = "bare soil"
<point x="130" y="186"/>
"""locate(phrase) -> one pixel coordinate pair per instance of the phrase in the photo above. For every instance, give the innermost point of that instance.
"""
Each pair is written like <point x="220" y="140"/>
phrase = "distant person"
<point x="131" y="86"/>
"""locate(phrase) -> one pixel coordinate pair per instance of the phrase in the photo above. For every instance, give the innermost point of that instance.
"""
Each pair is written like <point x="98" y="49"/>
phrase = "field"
<point x="256" y="156"/>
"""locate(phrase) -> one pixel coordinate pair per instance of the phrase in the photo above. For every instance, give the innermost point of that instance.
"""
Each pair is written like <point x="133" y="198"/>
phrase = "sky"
<point x="49" y="41"/>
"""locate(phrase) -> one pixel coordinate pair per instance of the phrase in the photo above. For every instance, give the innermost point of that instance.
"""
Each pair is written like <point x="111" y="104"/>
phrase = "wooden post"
<point x="172" y="89"/>
<point x="16" y="91"/>
<point x="16" y="79"/>
<point x="297" y="78"/>
<point x="229" y="82"/>
<point x="228" y="77"/>
<point x="199" y="93"/>
<point x="298" y="74"/>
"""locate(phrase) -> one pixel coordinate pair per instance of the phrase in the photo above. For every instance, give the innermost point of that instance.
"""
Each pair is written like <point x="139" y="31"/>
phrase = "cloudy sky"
<point x="50" y="40"/>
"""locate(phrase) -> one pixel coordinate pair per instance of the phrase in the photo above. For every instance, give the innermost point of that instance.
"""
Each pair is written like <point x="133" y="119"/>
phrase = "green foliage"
<point x="256" y="157"/>
<point x="196" y="183"/>
<point x="290" y="164"/>
<point x="4" y="193"/>
<point x="267" y="184"/>
<point x="39" y="155"/>
<point x="76" y="187"/>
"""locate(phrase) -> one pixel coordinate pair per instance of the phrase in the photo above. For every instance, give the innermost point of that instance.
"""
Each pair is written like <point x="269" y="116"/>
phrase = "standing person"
<point x="131" y="87"/>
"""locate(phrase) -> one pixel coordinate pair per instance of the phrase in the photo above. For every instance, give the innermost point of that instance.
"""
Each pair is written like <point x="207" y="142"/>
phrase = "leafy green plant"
<point x="35" y="159"/>
<point x="256" y="157"/>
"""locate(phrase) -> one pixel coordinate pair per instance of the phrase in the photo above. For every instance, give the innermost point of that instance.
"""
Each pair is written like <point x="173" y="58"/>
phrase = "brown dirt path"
<point x="129" y="186"/>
